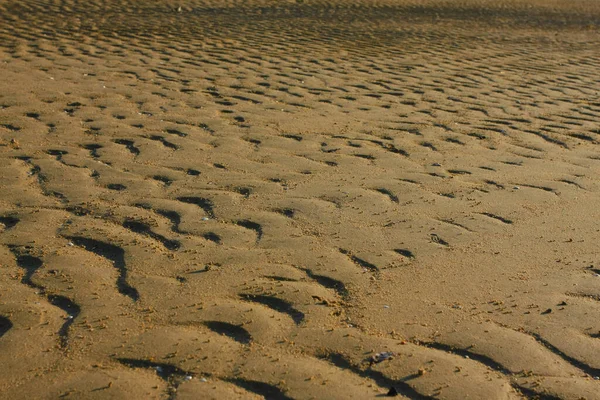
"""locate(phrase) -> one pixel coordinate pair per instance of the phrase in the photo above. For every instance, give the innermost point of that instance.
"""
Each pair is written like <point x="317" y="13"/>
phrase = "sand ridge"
<point x="224" y="199"/>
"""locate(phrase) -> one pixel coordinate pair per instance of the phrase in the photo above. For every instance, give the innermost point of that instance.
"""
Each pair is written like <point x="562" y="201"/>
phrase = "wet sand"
<point x="248" y="199"/>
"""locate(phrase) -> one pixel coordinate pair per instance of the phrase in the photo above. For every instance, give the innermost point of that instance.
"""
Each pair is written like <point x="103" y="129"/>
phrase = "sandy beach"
<point x="317" y="199"/>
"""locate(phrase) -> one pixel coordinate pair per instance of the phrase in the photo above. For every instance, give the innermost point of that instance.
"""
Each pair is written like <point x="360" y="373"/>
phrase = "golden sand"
<point x="299" y="199"/>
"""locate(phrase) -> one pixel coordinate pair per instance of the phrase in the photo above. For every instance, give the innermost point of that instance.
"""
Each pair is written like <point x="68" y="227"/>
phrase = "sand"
<point x="248" y="199"/>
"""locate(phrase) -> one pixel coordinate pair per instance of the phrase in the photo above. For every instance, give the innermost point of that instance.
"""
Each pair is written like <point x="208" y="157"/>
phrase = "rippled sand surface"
<point x="318" y="199"/>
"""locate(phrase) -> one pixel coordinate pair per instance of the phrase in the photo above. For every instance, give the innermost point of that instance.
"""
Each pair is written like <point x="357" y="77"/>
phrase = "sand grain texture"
<point x="248" y="199"/>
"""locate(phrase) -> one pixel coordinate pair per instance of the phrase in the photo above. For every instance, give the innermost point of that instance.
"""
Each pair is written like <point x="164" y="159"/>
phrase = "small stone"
<point x="392" y="392"/>
<point x="379" y="357"/>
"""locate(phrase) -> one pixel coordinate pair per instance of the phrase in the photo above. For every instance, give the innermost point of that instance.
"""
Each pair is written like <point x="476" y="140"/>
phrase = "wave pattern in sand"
<point x="229" y="200"/>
